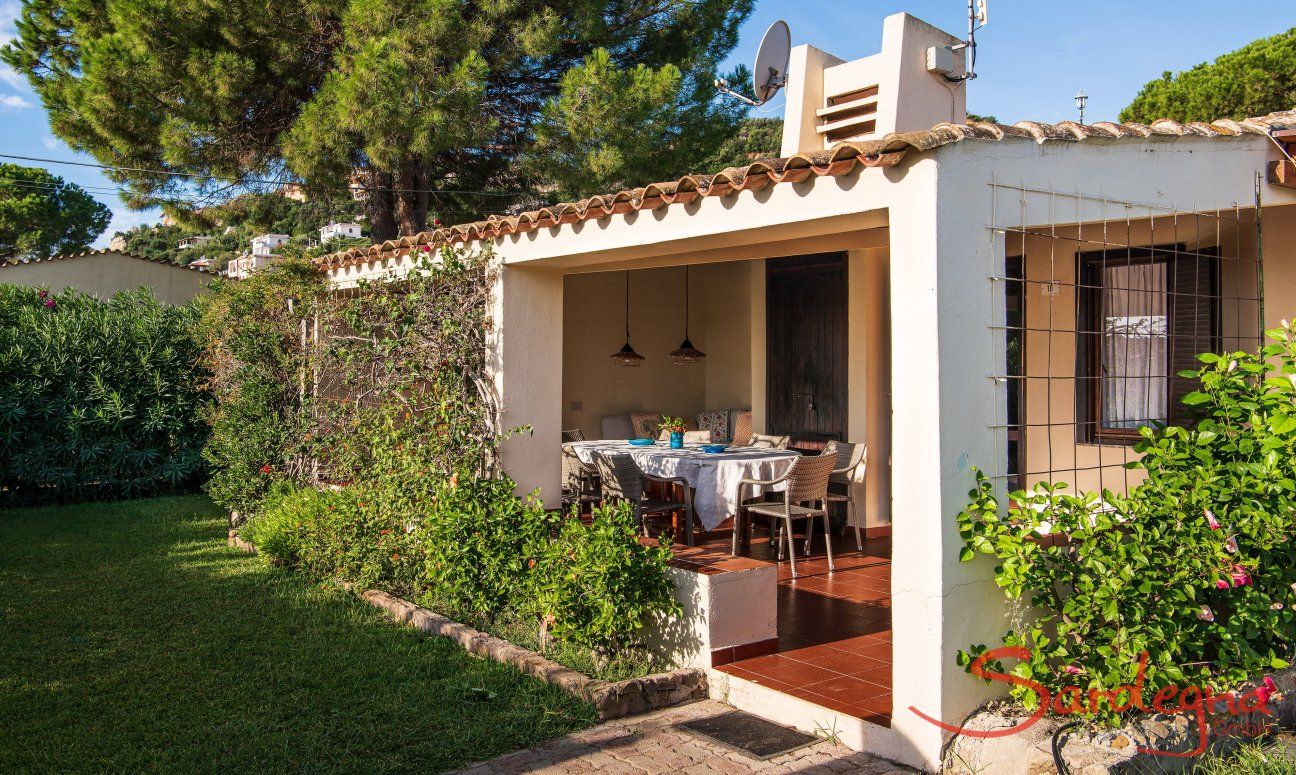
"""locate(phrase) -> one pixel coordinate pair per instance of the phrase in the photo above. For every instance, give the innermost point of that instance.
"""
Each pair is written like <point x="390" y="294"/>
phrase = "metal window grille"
<point x="1097" y="304"/>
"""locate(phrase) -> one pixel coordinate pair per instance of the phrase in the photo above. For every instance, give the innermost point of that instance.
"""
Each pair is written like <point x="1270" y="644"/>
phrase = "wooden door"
<point x="806" y="381"/>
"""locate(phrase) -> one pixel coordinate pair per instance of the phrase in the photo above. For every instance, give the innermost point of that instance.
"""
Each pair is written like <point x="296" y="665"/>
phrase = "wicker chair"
<point x="580" y="481"/>
<point x="851" y="458"/>
<point x="575" y="434"/>
<point x="764" y="441"/>
<point x="623" y="481"/>
<point x="805" y="482"/>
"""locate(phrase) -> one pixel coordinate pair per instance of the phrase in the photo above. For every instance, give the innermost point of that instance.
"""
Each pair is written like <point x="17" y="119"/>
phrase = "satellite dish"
<point x="770" y="71"/>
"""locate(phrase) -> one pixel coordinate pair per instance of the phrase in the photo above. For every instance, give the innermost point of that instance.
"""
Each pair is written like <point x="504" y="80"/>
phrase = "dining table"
<point x="713" y="476"/>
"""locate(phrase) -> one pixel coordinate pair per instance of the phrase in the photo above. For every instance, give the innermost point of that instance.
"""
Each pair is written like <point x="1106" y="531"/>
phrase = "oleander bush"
<point x="358" y="435"/>
<point x="101" y="399"/>
<point x="1195" y="566"/>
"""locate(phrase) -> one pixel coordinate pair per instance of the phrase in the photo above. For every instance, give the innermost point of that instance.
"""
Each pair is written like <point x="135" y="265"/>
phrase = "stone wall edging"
<point x="612" y="699"/>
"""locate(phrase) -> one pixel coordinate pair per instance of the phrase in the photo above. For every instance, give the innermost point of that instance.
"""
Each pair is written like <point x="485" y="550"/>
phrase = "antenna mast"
<point x="978" y="17"/>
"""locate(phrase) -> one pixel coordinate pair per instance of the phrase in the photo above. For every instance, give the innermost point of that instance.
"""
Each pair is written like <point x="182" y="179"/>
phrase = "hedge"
<point x="98" y="399"/>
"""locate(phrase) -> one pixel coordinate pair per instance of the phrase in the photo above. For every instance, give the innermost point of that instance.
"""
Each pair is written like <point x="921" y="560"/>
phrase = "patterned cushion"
<point x="716" y="421"/>
<point x="645" y="424"/>
<point x="742" y="429"/>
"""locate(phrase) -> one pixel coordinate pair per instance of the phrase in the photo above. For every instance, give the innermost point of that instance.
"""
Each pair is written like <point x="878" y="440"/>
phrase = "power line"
<point x="248" y="181"/>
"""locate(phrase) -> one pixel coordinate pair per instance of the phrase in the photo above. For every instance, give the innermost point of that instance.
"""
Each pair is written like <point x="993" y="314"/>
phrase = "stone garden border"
<point x="612" y="699"/>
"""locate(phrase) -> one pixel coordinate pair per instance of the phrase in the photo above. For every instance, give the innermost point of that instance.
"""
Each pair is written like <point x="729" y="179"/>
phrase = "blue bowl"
<point x="714" y="448"/>
<point x="643" y="442"/>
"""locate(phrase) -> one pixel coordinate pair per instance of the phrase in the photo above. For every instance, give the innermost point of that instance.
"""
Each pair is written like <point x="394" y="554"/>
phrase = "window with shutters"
<point x="1144" y="315"/>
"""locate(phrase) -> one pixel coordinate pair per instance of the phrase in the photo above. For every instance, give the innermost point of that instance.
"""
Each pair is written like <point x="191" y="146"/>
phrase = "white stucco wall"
<point x="103" y="274"/>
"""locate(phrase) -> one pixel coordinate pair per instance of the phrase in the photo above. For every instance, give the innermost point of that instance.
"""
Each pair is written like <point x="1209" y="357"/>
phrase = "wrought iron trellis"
<point x="1095" y="304"/>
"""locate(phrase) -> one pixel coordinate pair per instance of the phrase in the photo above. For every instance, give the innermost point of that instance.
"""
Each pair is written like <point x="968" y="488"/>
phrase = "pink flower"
<point x="42" y="294"/>
<point x="1221" y="584"/>
<point x="1266" y="689"/>
<point x="1276" y="607"/>
<point x="49" y="304"/>
<point x="1241" y="578"/>
<point x="1205" y="614"/>
<point x="426" y="248"/>
<point x="1072" y="670"/>
<point x="1210" y="520"/>
<point x="1231" y="544"/>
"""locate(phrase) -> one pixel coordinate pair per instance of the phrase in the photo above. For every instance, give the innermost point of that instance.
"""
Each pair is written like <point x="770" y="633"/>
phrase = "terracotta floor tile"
<point x="787" y="670"/>
<point x="838" y="661"/>
<point x="849" y="689"/>
<point x="865" y="645"/>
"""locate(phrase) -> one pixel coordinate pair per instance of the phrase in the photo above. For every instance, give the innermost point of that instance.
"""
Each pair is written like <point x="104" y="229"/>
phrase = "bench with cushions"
<point x="724" y="424"/>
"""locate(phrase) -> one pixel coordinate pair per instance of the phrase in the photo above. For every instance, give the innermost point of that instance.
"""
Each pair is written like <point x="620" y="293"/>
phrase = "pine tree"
<point x="428" y="98"/>
<point x="1257" y="79"/>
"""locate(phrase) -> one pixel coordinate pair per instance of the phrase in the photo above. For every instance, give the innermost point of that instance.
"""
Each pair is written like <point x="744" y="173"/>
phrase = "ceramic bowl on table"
<point x="643" y="442"/>
<point x="713" y="449"/>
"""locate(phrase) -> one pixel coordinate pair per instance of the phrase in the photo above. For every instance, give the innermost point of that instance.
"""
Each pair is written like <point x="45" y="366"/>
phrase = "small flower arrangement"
<point x="672" y="424"/>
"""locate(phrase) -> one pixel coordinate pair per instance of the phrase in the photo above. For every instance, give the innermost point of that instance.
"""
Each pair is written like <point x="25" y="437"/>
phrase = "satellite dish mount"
<point x="769" y="74"/>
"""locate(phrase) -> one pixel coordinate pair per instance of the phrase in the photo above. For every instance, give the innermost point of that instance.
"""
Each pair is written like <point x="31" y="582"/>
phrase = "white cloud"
<point x="14" y="102"/>
<point x="51" y="143"/>
<point x="9" y="76"/>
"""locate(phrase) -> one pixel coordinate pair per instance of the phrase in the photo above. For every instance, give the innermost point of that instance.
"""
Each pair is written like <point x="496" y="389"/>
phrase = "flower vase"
<point x="677" y="441"/>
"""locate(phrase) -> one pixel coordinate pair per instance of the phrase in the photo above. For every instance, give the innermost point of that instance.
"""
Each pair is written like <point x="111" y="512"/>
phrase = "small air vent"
<point x="849" y="115"/>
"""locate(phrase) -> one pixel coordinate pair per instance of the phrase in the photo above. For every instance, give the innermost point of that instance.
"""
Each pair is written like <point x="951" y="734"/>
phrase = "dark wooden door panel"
<point x="806" y="382"/>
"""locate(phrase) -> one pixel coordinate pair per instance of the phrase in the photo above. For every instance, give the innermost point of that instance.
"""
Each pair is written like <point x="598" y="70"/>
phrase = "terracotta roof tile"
<point x="4" y="262"/>
<point x="842" y="159"/>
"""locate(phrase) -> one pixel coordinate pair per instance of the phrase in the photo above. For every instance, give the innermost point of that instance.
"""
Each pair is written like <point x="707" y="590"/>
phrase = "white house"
<point x="193" y="242"/>
<point x="264" y="244"/>
<point x="246" y="264"/>
<point x="1014" y="298"/>
<point x="335" y="230"/>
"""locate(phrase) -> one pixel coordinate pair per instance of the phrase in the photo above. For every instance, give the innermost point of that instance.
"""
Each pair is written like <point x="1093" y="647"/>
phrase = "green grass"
<point x="132" y="638"/>
<point x="1256" y="758"/>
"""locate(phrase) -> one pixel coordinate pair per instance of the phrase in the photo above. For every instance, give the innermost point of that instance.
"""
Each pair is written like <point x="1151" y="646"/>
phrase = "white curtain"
<point x="1135" y="384"/>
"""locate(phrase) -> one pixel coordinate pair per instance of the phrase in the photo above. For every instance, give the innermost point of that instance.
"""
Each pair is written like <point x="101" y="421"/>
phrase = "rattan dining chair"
<point x="575" y="434"/>
<point x="765" y="441"/>
<point x="623" y="481"/>
<point x="580" y="481"/>
<point x="852" y="459"/>
<point x="805" y="482"/>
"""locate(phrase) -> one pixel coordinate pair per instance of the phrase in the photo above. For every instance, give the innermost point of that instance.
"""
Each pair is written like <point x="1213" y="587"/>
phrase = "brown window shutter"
<point x="1194" y="311"/>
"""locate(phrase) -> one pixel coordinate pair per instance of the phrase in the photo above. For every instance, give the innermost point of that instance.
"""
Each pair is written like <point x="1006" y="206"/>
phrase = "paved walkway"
<point x="651" y="744"/>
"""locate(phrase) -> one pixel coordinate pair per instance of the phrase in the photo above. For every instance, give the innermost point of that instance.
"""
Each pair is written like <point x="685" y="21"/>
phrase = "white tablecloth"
<point x="714" y="477"/>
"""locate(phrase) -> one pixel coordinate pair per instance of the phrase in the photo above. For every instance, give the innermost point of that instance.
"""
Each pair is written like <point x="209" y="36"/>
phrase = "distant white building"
<point x="193" y="242"/>
<point x="265" y="244"/>
<point x="340" y="231"/>
<point x="246" y="264"/>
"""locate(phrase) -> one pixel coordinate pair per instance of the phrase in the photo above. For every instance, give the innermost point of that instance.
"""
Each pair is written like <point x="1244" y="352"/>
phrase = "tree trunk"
<point x="378" y="207"/>
<point x="411" y="196"/>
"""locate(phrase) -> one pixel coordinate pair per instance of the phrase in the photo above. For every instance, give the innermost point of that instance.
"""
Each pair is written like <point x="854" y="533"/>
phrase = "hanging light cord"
<point x="686" y="301"/>
<point x="627" y="305"/>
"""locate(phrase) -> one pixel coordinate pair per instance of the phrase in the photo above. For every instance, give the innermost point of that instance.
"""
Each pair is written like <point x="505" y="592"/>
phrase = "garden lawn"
<point x="132" y="638"/>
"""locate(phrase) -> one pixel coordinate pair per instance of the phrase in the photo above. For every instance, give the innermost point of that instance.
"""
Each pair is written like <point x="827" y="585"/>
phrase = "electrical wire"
<point x="250" y="181"/>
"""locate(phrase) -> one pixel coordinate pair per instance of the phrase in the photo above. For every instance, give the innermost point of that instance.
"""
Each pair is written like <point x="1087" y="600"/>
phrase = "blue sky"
<point x="1032" y="58"/>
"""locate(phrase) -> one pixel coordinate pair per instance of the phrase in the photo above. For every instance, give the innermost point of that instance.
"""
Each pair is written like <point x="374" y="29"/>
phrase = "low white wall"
<point x="733" y="608"/>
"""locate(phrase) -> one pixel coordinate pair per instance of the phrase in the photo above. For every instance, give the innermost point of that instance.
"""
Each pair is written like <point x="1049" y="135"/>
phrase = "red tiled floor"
<point x="834" y="628"/>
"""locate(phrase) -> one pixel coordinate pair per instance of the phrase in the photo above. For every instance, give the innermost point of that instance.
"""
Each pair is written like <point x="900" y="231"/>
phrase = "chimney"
<point x="901" y="89"/>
